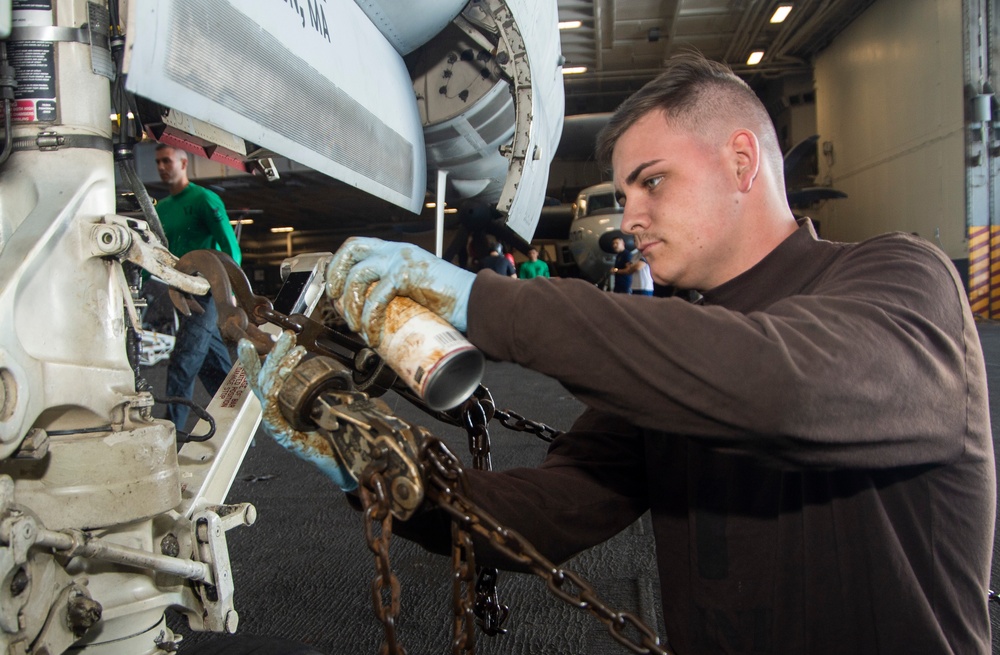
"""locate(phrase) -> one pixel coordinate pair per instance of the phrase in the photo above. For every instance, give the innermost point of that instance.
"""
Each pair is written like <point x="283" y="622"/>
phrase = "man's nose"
<point x="630" y="219"/>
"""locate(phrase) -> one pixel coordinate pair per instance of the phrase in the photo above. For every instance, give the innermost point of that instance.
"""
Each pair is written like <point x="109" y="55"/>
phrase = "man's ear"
<point x="745" y="149"/>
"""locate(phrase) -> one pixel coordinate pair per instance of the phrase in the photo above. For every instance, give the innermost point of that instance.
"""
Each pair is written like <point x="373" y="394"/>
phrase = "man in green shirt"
<point x="534" y="267"/>
<point x="193" y="218"/>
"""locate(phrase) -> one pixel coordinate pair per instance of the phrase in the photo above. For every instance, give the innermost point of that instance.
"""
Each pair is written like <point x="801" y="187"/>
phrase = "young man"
<point x="534" y="267"/>
<point x="812" y="439"/>
<point x="193" y="218"/>
<point x="621" y="271"/>
<point x="497" y="262"/>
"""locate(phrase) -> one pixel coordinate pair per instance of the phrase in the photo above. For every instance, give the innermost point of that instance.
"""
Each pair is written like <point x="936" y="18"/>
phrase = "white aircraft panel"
<point x="538" y="22"/>
<point x="406" y="25"/>
<point x="314" y="82"/>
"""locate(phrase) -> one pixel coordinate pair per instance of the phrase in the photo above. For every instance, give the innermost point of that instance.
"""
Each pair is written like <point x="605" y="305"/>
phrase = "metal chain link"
<point x="490" y="613"/>
<point x="514" y="421"/>
<point x="443" y="474"/>
<point x="463" y="563"/>
<point x="385" y="585"/>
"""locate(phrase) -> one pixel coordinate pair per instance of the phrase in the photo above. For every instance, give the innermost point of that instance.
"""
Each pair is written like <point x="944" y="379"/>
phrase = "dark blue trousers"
<point x="198" y="352"/>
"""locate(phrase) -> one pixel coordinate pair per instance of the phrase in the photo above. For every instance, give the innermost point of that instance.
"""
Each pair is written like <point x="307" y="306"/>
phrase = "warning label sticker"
<point x="35" y="96"/>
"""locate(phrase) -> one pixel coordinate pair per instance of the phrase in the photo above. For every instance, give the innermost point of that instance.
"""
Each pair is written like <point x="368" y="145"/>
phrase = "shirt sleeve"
<point x="875" y="355"/>
<point x="590" y="486"/>
<point x="218" y="224"/>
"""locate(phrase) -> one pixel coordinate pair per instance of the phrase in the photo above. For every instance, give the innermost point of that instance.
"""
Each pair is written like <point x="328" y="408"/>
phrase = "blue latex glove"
<point x="265" y="382"/>
<point x="394" y="269"/>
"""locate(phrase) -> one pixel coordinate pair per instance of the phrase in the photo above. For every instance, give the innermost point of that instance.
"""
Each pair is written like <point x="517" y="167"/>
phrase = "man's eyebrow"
<point x="634" y="175"/>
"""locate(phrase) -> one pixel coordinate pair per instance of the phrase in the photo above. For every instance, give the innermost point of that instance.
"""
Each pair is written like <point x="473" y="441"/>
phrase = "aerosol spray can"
<point x="429" y="354"/>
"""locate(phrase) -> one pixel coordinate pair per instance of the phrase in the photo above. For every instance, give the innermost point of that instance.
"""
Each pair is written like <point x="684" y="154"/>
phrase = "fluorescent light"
<point x="430" y="205"/>
<point x="569" y="24"/>
<point x="451" y="210"/>
<point x="755" y="57"/>
<point x="282" y="229"/>
<point x="574" y="70"/>
<point x="781" y="13"/>
<point x="242" y="221"/>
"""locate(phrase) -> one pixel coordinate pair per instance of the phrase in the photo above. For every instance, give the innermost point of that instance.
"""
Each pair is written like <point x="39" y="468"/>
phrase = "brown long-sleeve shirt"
<point x="813" y="444"/>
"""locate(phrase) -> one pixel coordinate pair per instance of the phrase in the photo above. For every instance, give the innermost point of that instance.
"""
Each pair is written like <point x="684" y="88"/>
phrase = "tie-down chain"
<point x="400" y="468"/>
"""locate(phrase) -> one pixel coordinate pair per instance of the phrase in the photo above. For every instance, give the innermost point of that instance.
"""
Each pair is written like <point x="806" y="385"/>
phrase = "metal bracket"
<point x="131" y="239"/>
<point x="210" y="538"/>
<point x="267" y="168"/>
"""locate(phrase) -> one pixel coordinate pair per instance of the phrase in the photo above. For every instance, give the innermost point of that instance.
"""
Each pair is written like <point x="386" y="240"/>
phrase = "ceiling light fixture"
<point x="242" y="221"/>
<point x="569" y="24"/>
<point x="282" y="229"/>
<point x="781" y="13"/>
<point x="574" y="70"/>
<point x="755" y="57"/>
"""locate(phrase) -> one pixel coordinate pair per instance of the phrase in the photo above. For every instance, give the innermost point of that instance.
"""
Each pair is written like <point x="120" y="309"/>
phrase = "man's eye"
<point x="653" y="182"/>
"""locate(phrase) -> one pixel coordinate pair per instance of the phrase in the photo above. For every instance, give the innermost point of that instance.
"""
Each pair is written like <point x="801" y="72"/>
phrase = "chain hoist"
<point x="395" y="464"/>
<point x="399" y="467"/>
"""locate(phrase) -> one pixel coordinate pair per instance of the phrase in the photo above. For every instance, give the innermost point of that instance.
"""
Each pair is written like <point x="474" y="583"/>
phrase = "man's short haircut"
<point x="181" y="154"/>
<point x="693" y="93"/>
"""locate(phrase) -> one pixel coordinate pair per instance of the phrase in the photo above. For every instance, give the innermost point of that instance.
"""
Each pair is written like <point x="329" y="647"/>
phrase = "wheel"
<point x="249" y="645"/>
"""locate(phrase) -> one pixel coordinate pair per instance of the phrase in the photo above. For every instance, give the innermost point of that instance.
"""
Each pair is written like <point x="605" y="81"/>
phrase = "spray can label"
<point x="429" y="355"/>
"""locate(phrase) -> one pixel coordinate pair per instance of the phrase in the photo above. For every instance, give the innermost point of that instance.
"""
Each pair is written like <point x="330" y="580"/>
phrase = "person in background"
<point x="623" y="279"/>
<point x="509" y="256"/>
<point x="638" y="269"/>
<point x="811" y="438"/>
<point x="494" y="261"/>
<point x="534" y="267"/>
<point x="193" y="218"/>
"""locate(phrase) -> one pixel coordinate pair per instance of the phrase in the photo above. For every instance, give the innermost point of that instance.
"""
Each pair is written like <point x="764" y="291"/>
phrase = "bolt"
<point x="83" y="612"/>
<point x="366" y="360"/>
<point x="169" y="545"/>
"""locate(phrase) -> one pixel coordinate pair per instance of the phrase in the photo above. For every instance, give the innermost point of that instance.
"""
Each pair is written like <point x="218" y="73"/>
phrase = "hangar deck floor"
<point x="303" y="571"/>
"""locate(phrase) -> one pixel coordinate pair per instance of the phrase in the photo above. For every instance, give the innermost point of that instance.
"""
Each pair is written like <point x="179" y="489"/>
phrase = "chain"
<point x="463" y="563"/>
<point x="443" y="478"/>
<point x="489" y="611"/>
<point x="514" y="421"/>
<point x="385" y="585"/>
<point x="443" y="474"/>
<point x="476" y="422"/>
